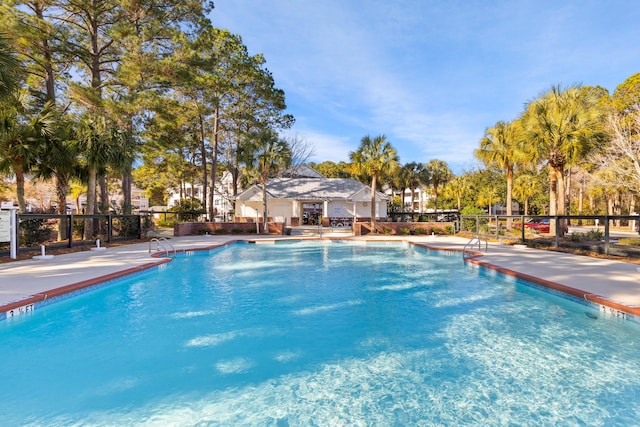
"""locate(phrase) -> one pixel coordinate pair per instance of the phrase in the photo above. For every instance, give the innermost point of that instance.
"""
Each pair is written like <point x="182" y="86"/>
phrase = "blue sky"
<point x="430" y="75"/>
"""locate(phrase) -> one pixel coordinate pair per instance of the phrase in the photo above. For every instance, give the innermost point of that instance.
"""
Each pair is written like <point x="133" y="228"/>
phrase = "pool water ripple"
<point x="309" y="334"/>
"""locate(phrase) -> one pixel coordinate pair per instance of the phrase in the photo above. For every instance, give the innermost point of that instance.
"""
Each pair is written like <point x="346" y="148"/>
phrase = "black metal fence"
<point x="441" y="216"/>
<point x="59" y="231"/>
<point x="606" y="234"/>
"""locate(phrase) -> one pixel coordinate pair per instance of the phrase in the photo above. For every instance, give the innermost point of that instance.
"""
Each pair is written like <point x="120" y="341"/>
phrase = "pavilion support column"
<point x="299" y="208"/>
<point x="355" y="212"/>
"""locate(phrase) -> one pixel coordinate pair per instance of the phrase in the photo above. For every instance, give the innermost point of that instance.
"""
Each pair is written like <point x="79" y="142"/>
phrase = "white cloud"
<point x="431" y="76"/>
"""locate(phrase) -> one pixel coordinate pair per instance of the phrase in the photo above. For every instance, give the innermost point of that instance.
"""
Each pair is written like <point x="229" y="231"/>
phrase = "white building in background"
<point x="139" y="201"/>
<point x="420" y="200"/>
<point x="304" y="196"/>
<point x="222" y="196"/>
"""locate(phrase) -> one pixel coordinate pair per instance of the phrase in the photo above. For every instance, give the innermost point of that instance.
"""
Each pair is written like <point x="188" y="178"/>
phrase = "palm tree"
<point x="524" y="188"/>
<point x="98" y="140"/>
<point x="488" y="196"/>
<point x="76" y="190"/>
<point x="456" y="188"/>
<point x="58" y="159"/>
<point x="398" y="183"/>
<point x="21" y="137"/>
<point x="500" y="148"/>
<point x="439" y="174"/>
<point x="9" y="68"/>
<point x="415" y="175"/>
<point x="563" y="127"/>
<point x="264" y="155"/>
<point x="374" y="157"/>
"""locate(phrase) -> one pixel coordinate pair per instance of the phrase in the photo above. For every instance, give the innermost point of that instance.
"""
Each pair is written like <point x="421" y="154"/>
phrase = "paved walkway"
<point x="613" y="283"/>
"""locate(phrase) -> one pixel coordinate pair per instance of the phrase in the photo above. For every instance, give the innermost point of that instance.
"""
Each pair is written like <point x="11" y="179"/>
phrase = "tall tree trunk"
<point x="214" y="164"/>
<point x="104" y="194"/>
<point x="561" y="200"/>
<point x="509" y="197"/>
<point x="610" y="205"/>
<point x="127" y="179"/>
<point x="580" y="200"/>
<point x="632" y="211"/>
<point x="203" y="155"/>
<point x="91" y="203"/>
<point x="235" y="177"/>
<point x="413" y="190"/>
<point x="62" y="188"/>
<point x="19" y="172"/>
<point x="553" y="197"/>
<point x="553" y="191"/>
<point x="47" y="65"/>
<point x="265" y="216"/>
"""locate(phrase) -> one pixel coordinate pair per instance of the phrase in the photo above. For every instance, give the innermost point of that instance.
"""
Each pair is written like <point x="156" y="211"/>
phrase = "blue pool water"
<point x="299" y="334"/>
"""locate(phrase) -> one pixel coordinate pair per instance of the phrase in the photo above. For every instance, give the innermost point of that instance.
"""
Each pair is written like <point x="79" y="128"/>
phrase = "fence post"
<point x="522" y="227"/>
<point x="140" y="226"/>
<point x="70" y="231"/>
<point x="497" y="225"/>
<point x="109" y="227"/>
<point x="606" y="235"/>
<point x="557" y="241"/>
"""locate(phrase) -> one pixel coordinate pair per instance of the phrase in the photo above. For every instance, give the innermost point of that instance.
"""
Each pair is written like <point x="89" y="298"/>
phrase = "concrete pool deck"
<point x="612" y="283"/>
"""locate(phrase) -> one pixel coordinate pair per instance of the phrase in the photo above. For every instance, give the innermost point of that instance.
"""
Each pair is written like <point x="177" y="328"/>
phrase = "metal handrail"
<point x="160" y="245"/>
<point x="473" y="241"/>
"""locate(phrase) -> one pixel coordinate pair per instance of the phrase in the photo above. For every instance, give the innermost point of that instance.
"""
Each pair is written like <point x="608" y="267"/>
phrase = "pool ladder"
<point x="471" y="243"/>
<point x="162" y="244"/>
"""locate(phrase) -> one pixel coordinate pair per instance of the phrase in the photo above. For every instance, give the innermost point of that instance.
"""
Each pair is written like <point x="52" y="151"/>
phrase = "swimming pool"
<point x="326" y="334"/>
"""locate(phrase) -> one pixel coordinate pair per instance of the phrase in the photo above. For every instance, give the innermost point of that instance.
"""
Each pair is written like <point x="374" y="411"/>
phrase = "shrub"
<point x="469" y="224"/>
<point x="630" y="241"/>
<point x="595" y="235"/>
<point x="404" y="230"/>
<point x="578" y="237"/>
<point x="125" y="226"/>
<point x="387" y="230"/>
<point x="167" y="223"/>
<point x="449" y="229"/>
<point x="34" y="232"/>
<point x="237" y="230"/>
<point x="590" y="235"/>
<point x="188" y="210"/>
<point x="420" y="230"/>
<point x="220" y="231"/>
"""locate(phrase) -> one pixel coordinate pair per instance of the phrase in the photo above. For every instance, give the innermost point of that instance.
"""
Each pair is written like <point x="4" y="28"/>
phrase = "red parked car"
<point x="542" y="225"/>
